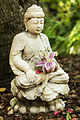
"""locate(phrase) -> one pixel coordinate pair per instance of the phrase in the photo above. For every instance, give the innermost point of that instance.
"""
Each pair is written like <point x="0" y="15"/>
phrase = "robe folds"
<point x="46" y="86"/>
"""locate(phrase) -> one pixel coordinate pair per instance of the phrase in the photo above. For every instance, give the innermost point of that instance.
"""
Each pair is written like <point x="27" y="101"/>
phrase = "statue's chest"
<point x="34" y="46"/>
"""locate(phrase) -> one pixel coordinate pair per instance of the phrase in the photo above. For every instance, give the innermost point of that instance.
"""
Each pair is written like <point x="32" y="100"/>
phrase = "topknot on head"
<point x="34" y="11"/>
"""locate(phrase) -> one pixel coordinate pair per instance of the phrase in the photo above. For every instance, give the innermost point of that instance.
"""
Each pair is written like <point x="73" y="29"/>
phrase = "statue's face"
<point x="35" y="25"/>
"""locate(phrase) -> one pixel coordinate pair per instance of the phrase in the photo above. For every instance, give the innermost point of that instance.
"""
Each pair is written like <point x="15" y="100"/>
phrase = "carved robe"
<point x="46" y="86"/>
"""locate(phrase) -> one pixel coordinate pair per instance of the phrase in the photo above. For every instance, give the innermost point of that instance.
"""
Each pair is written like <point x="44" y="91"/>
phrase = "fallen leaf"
<point x="2" y="89"/>
<point x="77" y="76"/>
<point x="74" y="116"/>
<point x="40" y="117"/>
<point x="73" y="95"/>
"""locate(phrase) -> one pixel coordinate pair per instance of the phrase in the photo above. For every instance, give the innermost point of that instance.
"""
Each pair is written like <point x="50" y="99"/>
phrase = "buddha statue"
<point x="35" y="92"/>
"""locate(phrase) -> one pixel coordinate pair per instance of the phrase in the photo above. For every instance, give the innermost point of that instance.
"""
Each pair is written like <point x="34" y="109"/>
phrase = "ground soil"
<point x="71" y="64"/>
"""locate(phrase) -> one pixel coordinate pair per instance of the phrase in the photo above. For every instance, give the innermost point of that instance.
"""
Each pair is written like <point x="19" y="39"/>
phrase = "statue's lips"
<point x="38" y="29"/>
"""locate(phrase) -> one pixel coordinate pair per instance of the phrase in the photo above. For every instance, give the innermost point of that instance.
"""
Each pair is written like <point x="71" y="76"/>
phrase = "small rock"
<point x="13" y="101"/>
<point x="23" y="110"/>
<point x="9" y="108"/>
<point x="17" y="114"/>
<point x="16" y="108"/>
<point x="10" y="112"/>
<point x="1" y="118"/>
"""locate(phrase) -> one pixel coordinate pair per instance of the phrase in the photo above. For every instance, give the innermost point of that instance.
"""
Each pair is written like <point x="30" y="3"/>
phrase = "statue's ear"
<point x="26" y="26"/>
<point x="25" y="22"/>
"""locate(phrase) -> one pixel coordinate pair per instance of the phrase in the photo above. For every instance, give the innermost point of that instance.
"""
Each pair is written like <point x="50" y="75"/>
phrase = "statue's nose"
<point x="39" y="25"/>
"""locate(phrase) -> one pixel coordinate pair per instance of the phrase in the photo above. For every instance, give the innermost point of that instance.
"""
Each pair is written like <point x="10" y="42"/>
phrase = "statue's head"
<point x="34" y="19"/>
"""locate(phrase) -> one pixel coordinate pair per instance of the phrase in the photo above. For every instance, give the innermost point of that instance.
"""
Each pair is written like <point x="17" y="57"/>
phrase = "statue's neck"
<point x="33" y="35"/>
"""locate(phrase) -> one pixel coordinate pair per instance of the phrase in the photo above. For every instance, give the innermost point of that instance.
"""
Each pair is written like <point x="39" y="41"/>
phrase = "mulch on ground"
<point x="71" y="64"/>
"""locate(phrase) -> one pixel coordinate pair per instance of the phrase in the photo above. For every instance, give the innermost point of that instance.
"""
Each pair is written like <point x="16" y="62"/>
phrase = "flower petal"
<point x="52" y="66"/>
<point x="44" y="69"/>
<point x="51" y="55"/>
<point x="39" y="64"/>
<point x="44" y="60"/>
<point x="47" y="66"/>
<point x="38" y="71"/>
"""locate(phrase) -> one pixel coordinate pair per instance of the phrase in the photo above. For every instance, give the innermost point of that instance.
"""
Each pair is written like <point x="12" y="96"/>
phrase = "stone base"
<point x="36" y="106"/>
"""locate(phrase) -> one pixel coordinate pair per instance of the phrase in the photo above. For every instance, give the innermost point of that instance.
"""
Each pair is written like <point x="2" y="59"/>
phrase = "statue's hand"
<point x="31" y="75"/>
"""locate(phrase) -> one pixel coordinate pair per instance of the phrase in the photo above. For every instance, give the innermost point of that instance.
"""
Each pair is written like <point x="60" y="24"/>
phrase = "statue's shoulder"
<point x="19" y="38"/>
<point x="20" y="35"/>
<point x="43" y="36"/>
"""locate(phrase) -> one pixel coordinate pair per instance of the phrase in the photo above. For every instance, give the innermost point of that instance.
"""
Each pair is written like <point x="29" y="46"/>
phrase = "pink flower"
<point x="55" y="113"/>
<point x="70" y="111"/>
<point x="38" y="71"/>
<point x="48" y="64"/>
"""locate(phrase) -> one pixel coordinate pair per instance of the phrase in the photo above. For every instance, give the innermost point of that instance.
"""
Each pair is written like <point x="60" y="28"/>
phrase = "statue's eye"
<point x="42" y="21"/>
<point x="35" y="22"/>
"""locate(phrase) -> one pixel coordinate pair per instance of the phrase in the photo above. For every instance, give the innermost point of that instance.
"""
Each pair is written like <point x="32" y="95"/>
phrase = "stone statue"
<point x="35" y="92"/>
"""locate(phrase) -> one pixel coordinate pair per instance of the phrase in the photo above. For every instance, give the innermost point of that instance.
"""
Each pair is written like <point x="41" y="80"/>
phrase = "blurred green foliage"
<point x="62" y="25"/>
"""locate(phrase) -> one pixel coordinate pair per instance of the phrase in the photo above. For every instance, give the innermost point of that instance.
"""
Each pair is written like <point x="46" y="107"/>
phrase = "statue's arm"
<point x="23" y="66"/>
<point x="20" y="63"/>
<point x="17" y="64"/>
